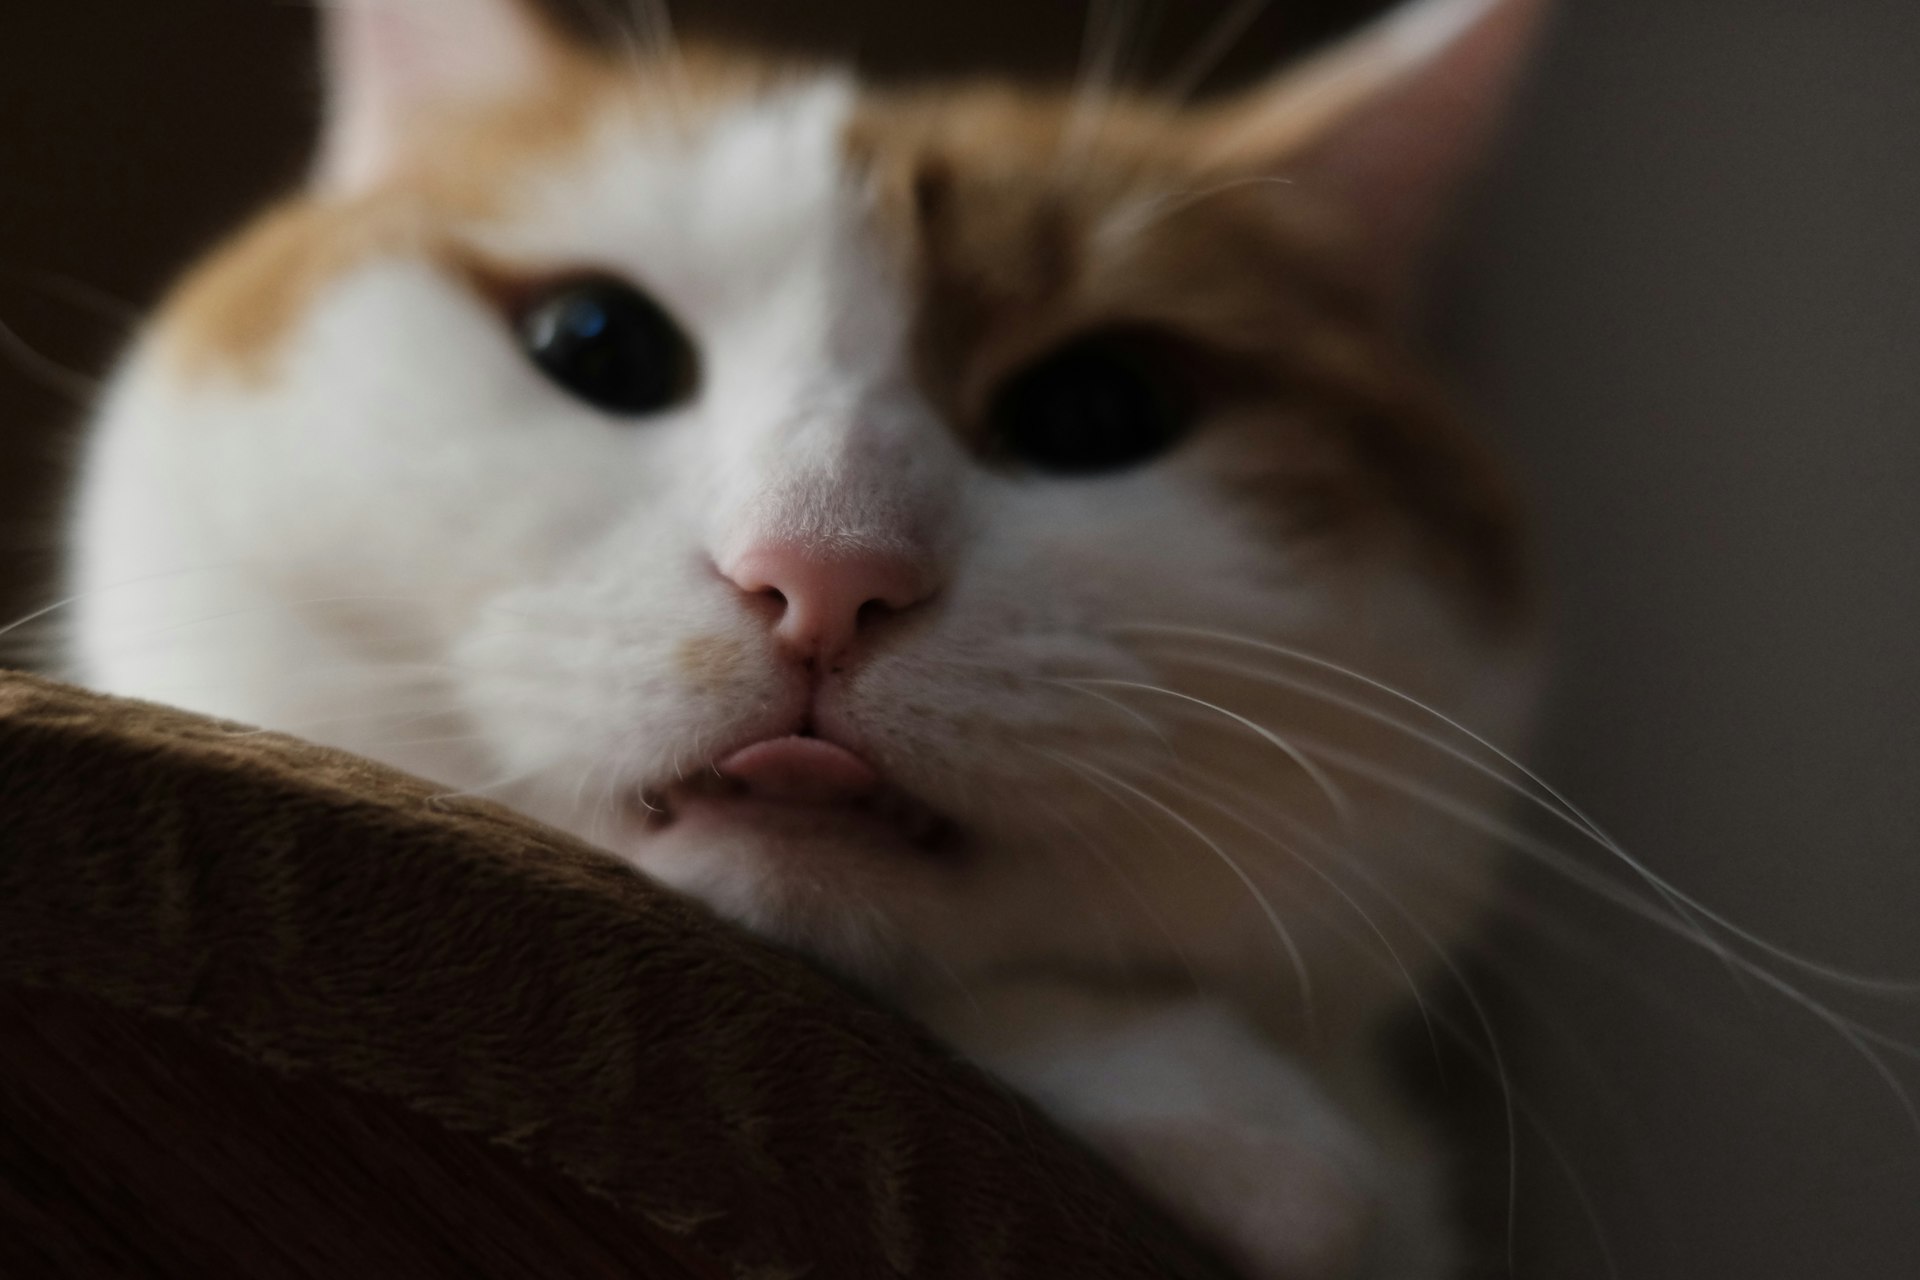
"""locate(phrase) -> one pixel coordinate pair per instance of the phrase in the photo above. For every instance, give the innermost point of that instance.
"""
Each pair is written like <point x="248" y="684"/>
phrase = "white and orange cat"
<point x="949" y="530"/>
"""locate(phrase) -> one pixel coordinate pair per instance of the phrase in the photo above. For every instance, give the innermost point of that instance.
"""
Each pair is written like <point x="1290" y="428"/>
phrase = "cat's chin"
<point x="795" y="789"/>
<point x="837" y="880"/>
<point x="787" y="828"/>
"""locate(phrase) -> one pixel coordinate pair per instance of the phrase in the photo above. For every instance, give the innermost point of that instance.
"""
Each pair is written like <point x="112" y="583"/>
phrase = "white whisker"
<point x="1226" y="32"/>
<point x="1859" y="1036"/>
<point x="1102" y="55"/>
<point x="1280" y="929"/>
<point x="1560" y="806"/>
<point x="67" y="602"/>
<point x="42" y="368"/>
<point x="1127" y="886"/>
<point x="1675" y="901"/>
<point x="1241" y="820"/>
<point x="1342" y="808"/>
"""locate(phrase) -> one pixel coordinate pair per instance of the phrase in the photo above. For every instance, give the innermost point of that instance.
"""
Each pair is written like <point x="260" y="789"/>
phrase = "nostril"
<point x="819" y="599"/>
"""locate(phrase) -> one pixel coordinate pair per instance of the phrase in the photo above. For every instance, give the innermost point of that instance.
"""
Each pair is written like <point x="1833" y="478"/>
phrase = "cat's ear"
<point x="1386" y="124"/>
<point x="389" y="62"/>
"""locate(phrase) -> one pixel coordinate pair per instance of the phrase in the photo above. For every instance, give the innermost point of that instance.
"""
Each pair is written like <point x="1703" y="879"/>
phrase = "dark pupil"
<point x="610" y="345"/>
<point x="1087" y="409"/>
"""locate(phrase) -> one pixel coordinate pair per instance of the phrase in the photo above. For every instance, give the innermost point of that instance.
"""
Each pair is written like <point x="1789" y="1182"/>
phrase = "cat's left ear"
<point x="391" y="63"/>
<point x="1387" y="124"/>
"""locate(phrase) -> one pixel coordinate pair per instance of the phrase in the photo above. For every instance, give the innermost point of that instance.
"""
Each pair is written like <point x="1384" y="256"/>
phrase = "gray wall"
<point x="1693" y="299"/>
<point x="1690" y="296"/>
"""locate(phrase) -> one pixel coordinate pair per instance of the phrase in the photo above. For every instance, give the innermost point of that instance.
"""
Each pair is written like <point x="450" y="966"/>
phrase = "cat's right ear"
<point x="1385" y="124"/>
<point x="388" y="63"/>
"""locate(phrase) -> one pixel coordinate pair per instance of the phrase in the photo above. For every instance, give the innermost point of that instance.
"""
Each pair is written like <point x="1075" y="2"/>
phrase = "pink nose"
<point x="825" y="594"/>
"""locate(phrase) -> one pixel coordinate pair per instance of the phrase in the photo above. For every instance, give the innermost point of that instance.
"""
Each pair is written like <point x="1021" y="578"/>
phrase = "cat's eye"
<point x="610" y="345"/>
<point x="1101" y="404"/>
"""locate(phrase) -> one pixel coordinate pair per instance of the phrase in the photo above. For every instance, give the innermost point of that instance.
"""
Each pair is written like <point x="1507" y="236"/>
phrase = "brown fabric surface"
<point x="134" y="1145"/>
<point x="417" y="979"/>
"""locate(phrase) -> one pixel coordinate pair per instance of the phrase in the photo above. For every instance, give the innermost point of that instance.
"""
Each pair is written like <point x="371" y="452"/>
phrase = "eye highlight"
<point x="610" y="345"/>
<point x="1103" y="403"/>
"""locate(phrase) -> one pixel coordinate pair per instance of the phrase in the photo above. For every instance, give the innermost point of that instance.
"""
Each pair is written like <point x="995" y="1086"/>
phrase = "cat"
<point x="970" y="533"/>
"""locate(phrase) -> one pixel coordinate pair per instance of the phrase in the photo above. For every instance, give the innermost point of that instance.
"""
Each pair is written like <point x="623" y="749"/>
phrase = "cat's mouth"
<point x="803" y="788"/>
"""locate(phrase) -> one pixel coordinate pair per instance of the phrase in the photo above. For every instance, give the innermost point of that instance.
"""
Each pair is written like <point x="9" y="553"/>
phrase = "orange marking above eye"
<point x="1023" y="235"/>
<point x="235" y="312"/>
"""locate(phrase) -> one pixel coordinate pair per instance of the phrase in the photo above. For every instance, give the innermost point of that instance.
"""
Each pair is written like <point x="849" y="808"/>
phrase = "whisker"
<point x="44" y="369"/>
<point x="79" y="294"/>
<point x="1492" y="1057"/>
<point x="1673" y="900"/>
<point x="1135" y="218"/>
<point x="644" y="31"/>
<point x="480" y="790"/>
<point x="1342" y="808"/>
<point x="1127" y="885"/>
<point x="1446" y="959"/>
<point x="1102" y="53"/>
<point x="1241" y="820"/>
<point x="1861" y="1037"/>
<point x="1305" y="982"/>
<point x="1148" y="722"/>
<point x="67" y="602"/>
<point x="1226" y="32"/>
<point x="1566" y="810"/>
<point x="429" y="704"/>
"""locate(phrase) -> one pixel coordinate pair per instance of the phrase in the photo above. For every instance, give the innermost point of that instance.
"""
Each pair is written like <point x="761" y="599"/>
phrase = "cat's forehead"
<point x="716" y="203"/>
<point x="1008" y="214"/>
<point x="672" y="168"/>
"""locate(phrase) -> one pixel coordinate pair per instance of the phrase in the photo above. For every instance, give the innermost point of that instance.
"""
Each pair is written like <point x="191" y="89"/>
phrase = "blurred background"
<point x="1688" y="296"/>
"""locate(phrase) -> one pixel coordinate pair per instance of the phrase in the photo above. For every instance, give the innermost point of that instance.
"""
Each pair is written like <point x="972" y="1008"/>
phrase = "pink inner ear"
<point x="1404" y="156"/>
<point x="388" y="61"/>
<point x="1392" y="121"/>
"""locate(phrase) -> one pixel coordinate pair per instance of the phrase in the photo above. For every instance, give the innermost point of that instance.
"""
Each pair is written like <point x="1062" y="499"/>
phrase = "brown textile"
<point x="270" y="1010"/>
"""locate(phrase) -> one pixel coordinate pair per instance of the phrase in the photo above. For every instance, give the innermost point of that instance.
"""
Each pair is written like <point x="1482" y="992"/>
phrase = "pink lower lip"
<point x="800" y="770"/>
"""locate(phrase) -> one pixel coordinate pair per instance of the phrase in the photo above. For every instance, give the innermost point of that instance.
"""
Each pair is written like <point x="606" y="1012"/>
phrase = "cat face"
<point x="892" y="518"/>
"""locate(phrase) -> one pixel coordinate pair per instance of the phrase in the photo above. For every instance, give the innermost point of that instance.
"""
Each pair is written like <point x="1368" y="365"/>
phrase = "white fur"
<point x="409" y="544"/>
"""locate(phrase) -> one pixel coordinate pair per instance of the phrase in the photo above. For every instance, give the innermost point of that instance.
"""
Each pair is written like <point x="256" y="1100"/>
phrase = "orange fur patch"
<point x="236" y="311"/>
<point x="1023" y="220"/>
